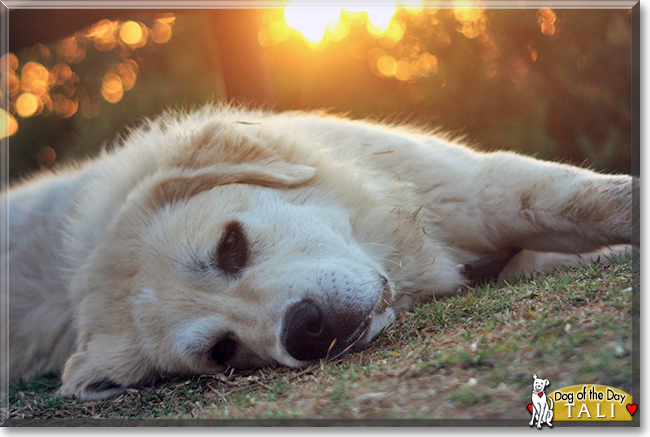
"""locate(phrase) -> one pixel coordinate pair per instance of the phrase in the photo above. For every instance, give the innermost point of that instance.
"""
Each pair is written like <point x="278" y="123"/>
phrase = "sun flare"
<point x="310" y="22"/>
<point x="314" y="23"/>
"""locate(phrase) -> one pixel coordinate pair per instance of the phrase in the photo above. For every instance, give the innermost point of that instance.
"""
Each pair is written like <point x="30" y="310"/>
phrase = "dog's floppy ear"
<point x="547" y="382"/>
<point x="277" y="174"/>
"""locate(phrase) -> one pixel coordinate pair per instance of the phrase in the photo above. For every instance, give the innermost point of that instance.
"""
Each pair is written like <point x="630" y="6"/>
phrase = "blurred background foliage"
<point x="555" y="83"/>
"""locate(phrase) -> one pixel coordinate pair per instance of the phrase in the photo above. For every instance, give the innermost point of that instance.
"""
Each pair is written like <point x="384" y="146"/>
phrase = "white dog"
<point x="233" y="238"/>
<point x="541" y="409"/>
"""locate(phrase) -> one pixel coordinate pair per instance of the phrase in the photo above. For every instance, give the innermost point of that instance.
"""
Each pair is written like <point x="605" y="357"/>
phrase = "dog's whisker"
<point x="359" y="337"/>
<point x="401" y="253"/>
<point x="398" y="264"/>
<point x="330" y="349"/>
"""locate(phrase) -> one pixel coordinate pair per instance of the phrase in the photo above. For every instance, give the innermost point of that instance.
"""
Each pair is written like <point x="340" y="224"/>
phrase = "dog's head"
<point x="232" y="256"/>
<point x="539" y="384"/>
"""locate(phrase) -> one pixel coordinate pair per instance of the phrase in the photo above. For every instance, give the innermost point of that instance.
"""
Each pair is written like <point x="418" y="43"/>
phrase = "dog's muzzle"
<point x="313" y="330"/>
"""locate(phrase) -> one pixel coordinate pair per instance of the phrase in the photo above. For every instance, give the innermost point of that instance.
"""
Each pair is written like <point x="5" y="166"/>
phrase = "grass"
<point x="468" y="356"/>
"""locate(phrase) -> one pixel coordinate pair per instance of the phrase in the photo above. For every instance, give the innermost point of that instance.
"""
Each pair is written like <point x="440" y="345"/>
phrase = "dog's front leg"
<point x="541" y="415"/>
<point x="520" y="202"/>
<point x="532" y="419"/>
<point x="560" y="208"/>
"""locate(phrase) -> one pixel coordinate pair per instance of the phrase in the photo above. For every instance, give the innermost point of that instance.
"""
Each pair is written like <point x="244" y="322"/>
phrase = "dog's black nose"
<point x="309" y="333"/>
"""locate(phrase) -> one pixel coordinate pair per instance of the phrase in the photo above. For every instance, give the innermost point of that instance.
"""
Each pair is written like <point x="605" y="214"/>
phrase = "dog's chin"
<point x="381" y="316"/>
<point x="378" y="323"/>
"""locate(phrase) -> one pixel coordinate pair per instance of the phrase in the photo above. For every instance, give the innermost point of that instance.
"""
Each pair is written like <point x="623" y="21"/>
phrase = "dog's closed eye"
<point x="232" y="253"/>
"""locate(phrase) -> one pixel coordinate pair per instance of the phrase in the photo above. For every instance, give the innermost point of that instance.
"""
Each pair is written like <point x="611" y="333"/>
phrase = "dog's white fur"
<point x="111" y="264"/>
<point x="541" y="409"/>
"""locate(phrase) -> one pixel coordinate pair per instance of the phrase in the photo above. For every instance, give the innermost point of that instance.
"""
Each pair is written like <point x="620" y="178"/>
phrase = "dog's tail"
<point x="550" y="399"/>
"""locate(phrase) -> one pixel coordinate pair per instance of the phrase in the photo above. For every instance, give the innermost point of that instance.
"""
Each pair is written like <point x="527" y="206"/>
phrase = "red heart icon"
<point x="540" y="394"/>
<point x="631" y="408"/>
<point x="530" y="407"/>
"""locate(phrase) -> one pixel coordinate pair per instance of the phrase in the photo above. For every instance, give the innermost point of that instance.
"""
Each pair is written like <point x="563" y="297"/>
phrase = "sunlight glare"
<point x="412" y="6"/>
<point x="310" y="22"/>
<point x="316" y="24"/>
<point x="379" y="20"/>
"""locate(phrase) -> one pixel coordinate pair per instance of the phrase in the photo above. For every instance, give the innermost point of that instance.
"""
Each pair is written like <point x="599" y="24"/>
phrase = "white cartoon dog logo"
<point x="540" y="408"/>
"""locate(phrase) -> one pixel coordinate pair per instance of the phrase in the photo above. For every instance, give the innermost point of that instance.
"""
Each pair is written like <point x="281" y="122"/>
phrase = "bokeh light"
<point x="70" y="51"/>
<point x="161" y="32"/>
<point x="8" y="124"/>
<point x="53" y="86"/>
<point x="112" y="88"/>
<point x="387" y="65"/>
<point x="46" y="156"/>
<point x="62" y="73"/>
<point x="546" y="20"/>
<point x="471" y="22"/>
<point x="131" y="33"/>
<point x="104" y="35"/>
<point x="9" y="62"/>
<point x="27" y="105"/>
<point x="63" y="106"/>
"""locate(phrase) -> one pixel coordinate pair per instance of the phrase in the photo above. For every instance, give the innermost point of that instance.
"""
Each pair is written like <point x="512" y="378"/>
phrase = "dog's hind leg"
<point x="528" y="263"/>
<point x="549" y="413"/>
<point x="486" y="269"/>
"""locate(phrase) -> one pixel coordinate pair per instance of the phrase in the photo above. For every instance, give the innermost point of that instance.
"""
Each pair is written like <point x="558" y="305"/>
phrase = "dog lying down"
<point x="232" y="238"/>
